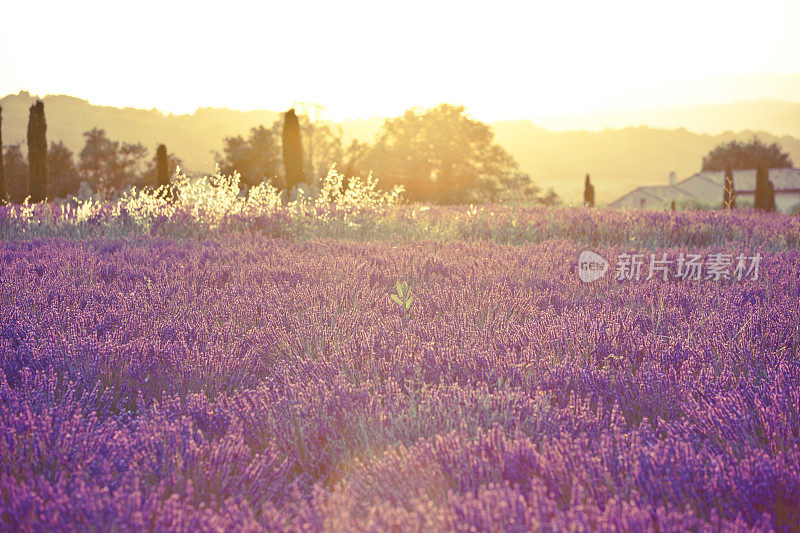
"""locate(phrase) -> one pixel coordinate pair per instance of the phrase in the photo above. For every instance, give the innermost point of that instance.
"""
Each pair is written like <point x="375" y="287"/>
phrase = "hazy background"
<point x="550" y="78"/>
<point x="618" y="159"/>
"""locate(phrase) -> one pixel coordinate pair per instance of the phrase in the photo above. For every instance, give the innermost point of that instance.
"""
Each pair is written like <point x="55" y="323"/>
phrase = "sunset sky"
<point x="358" y="59"/>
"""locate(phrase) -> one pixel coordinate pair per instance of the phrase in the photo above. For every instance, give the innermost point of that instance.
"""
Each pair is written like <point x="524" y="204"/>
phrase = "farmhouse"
<point x="706" y="188"/>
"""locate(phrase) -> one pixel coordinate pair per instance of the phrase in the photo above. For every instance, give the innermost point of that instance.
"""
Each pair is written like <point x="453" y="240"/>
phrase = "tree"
<point x="729" y="194"/>
<point x="354" y="158"/>
<point x="588" y="193"/>
<point x="769" y="197"/>
<point x="109" y="165"/>
<point x="159" y="172"/>
<point x="37" y="153"/>
<point x="64" y="178"/>
<point x="511" y="187"/>
<point x="98" y="159"/>
<point x="3" y="197"/>
<point x="256" y="158"/>
<point x="324" y="147"/>
<point x="746" y="156"/>
<point x="760" y="200"/>
<point x="16" y="174"/>
<point x="131" y="165"/>
<point x="321" y="142"/>
<point x="292" y="150"/>
<point x="162" y="167"/>
<point x="550" y="199"/>
<point x="441" y="155"/>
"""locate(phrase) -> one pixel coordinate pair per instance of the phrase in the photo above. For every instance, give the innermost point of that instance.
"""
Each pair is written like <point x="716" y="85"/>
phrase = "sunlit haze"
<point x="501" y="59"/>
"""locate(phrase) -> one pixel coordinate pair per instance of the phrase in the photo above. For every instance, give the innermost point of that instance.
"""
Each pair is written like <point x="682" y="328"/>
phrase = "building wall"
<point x="639" y="200"/>
<point x="706" y="188"/>
<point x="785" y="202"/>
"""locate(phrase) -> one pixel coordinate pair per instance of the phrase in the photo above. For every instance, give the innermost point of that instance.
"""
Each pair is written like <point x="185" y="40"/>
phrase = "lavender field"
<point x="176" y="371"/>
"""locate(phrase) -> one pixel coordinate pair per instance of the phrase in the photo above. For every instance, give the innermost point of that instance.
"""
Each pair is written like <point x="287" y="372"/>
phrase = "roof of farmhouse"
<point x="708" y="184"/>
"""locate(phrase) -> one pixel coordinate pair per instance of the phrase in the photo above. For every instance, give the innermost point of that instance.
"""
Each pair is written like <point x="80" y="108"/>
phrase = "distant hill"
<point x="193" y="138"/>
<point x="775" y="116"/>
<point x="617" y="159"/>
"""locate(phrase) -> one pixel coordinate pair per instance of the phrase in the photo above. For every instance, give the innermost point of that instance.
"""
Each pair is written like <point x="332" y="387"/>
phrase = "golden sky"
<point x="501" y="59"/>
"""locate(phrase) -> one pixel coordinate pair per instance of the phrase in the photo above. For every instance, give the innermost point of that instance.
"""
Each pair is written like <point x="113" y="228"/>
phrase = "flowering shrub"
<point x="355" y="192"/>
<point x="199" y="205"/>
<point x="214" y="205"/>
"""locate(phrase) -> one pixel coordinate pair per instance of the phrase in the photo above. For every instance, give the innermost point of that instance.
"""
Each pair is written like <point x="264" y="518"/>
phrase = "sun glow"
<point x="362" y="59"/>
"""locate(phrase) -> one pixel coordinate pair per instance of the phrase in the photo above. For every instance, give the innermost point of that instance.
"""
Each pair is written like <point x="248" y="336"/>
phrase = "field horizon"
<point x="642" y="147"/>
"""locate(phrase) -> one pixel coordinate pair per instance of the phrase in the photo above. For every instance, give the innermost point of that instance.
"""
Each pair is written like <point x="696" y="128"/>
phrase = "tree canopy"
<point x="260" y="156"/>
<point x="444" y="156"/>
<point x="110" y="165"/>
<point x="256" y="158"/>
<point x="64" y="177"/>
<point x="738" y="155"/>
<point x="16" y="171"/>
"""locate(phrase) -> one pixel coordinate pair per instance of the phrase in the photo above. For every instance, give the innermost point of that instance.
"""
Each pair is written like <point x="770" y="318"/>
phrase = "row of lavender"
<point x="222" y="211"/>
<point x="245" y="383"/>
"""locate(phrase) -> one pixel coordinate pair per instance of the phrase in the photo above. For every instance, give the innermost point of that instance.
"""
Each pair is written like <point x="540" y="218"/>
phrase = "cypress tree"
<point x="2" y="166"/>
<point x="769" y="197"/>
<point x="37" y="153"/>
<point x="729" y="196"/>
<point x="162" y="166"/>
<point x="292" y="150"/>
<point x="588" y="193"/>
<point x="162" y="172"/>
<point x="759" y="201"/>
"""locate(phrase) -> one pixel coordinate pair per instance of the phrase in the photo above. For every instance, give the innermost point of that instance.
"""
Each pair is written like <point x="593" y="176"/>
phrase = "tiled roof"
<point x="707" y="185"/>
<point x="745" y="180"/>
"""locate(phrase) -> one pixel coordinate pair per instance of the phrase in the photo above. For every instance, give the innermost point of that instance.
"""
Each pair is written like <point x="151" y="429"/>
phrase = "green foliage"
<point x="64" y="178"/>
<point x="16" y="174"/>
<point x="403" y="297"/>
<point x="354" y="158"/>
<point x="110" y="166"/>
<point x="323" y="147"/>
<point x="37" y="153"/>
<point x="255" y="159"/>
<point x="737" y="155"/>
<point x="443" y="156"/>
<point x="357" y="193"/>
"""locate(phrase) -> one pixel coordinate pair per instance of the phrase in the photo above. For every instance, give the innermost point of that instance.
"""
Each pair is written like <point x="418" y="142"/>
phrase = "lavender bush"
<point x="250" y="371"/>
